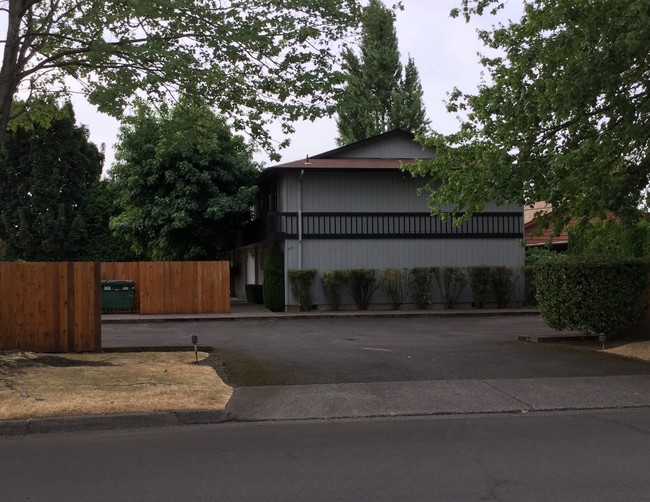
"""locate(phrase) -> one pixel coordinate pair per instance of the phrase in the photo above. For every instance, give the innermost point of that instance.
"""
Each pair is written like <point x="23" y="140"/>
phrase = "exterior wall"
<point x="357" y="192"/>
<point x="331" y="254"/>
<point x="390" y="147"/>
<point x="367" y="192"/>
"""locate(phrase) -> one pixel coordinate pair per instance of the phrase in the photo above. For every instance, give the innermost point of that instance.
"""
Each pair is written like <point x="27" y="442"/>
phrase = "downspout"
<point x="302" y="173"/>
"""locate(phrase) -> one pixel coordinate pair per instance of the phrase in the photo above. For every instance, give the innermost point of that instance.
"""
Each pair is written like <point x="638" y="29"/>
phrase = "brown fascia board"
<point x="338" y="165"/>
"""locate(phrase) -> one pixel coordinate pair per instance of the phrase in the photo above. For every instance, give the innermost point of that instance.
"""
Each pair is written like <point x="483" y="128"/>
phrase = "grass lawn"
<point x="43" y="385"/>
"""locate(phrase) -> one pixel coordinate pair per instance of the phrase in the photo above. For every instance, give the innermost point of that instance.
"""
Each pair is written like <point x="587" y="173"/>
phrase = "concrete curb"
<point x="112" y="421"/>
<point x="137" y="318"/>
<point x="557" y="338"/>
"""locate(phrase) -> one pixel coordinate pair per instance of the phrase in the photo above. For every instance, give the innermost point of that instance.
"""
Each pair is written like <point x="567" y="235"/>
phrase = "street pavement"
<point x="570" y="456"/>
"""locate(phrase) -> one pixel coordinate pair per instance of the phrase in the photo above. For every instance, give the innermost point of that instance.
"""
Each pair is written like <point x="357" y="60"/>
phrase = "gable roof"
<point x="346" y="149"/>
<point x="389" y="151"/>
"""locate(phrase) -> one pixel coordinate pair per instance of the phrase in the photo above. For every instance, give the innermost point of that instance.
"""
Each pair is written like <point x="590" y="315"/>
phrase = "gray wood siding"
<point x="358" y="192"/>
<point x="388" y="148"/>
<point x="380" y="254"/>
<point x="355" y="192"/>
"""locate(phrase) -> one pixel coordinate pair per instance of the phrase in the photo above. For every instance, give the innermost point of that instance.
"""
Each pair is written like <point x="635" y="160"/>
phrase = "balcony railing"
<point x="381" y="226"/>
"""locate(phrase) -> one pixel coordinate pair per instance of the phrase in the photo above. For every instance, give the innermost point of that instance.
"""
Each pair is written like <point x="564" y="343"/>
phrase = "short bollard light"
<point x="195" y="342"/>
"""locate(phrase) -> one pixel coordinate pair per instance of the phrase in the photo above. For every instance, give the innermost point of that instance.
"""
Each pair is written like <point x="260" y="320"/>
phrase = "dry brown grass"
<point x="39" y="385"/>
<point x="636" y="350"/>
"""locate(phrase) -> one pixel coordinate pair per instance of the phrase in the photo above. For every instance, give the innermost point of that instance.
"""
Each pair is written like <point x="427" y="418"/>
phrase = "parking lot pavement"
<point x="361" y="350"/>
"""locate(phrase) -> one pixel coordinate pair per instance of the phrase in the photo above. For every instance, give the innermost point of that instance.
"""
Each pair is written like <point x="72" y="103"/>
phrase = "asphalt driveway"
<point x="361" y="350"/>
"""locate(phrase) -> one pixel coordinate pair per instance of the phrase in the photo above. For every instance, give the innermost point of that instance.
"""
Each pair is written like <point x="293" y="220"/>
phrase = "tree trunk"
<point x="9" y="71"/>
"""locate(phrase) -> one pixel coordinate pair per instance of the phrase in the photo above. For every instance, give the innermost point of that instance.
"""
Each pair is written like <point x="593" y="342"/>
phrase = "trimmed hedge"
<point x="451" y="282"/>
<point x="301" y="281"/>
<point x="480" y="280"/>
<point x="395" y="282"/>
<point x="601" y="296"/>
<point x="504" y="280"/>
<point x="362" y="284"/>
<point x="274" y="280"/>
<point x="333" y="286"/>
<point x="421" y="283"/>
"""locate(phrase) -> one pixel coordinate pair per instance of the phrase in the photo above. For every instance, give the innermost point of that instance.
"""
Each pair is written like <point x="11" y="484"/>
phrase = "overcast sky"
<point x="445" y="52"/>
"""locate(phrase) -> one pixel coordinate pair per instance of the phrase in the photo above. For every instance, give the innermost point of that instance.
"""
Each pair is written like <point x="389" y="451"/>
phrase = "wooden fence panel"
<point x="50" y="307"/>
<point x="176" y="287"/>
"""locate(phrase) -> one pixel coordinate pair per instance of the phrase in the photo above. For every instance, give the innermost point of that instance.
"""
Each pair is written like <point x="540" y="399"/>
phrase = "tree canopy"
<point x="376" y="98"/>
<point x="183" y="182"/>
<point x="254" y="60"/>
<point x="563" y="116"/>
<point x="48" y="179"/>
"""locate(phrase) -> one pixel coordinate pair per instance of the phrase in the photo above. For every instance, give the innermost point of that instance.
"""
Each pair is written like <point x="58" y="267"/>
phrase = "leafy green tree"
<point x="47" y="178"/>
<point x="184" y="183"/>
<point x="254" y="60"/>
<point x="564" y="116"/>
<point x="376" y="98"/>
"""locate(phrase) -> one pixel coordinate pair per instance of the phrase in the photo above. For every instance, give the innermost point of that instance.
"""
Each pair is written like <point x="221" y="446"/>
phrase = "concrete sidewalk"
<point x="241" y="310"/>
<point x="389" y="399"/>
<point x="367" y="400"/>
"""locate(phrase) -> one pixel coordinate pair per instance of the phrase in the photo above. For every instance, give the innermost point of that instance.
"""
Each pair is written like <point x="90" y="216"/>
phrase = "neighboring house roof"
<point x="533" y="236"/>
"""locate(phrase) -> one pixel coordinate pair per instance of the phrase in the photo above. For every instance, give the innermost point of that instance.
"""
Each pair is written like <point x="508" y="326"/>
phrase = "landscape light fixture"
<point x="195" y="342"/>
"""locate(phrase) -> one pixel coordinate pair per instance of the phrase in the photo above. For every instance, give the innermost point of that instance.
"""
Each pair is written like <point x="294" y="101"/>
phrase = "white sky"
<point x="445" y="52"/>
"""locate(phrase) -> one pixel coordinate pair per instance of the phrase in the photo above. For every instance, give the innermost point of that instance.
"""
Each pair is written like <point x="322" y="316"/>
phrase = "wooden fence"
<point x="197" y="287"/>
<point x="50" y="307"/>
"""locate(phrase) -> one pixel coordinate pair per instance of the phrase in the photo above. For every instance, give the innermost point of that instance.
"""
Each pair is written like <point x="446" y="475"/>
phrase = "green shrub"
<point x="536" y="256"/>
<point x="541" y="254"/>
<point x="610" y="238"/>
<point x="451" y="281"/>
<point x="333" y="285"/>
<point x="480" y="280"/>
<point x="362" y="283"/>
<point x="602" y="296"/>
<point x="395" y="283"/>
<point x="254" y="293"/>
<point x="301" y="281"/>
<point x="274" y="280"/>
<point x="504" y="280"/>
<point x="529" y="285"/>
<point x="421" y="283"/>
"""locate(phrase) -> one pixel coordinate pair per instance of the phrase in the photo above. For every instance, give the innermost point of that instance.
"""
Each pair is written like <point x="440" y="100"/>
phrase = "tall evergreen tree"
<point x="47" y="176"/>
<point x="376" y="98"/>
<point x="408" y="111"/>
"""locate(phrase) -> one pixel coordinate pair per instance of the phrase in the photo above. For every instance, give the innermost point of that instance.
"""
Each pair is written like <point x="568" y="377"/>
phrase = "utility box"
<point x="118" y="296"/>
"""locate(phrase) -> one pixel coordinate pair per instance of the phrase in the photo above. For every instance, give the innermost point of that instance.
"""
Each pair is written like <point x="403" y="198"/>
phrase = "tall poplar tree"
<point x="408" y="107"/>
<point x="376" y="97"/>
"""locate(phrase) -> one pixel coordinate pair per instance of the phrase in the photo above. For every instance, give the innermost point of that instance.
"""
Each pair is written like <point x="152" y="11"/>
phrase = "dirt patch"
<point x="39" y="385"/>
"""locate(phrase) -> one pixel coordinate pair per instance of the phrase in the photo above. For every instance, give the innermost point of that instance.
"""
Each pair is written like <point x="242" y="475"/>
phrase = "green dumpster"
<point x="118" y="296"/>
